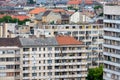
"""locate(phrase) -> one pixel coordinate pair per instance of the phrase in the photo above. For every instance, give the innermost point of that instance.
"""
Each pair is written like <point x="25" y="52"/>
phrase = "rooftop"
<point x="9" y="42"/>
<point x="37" y="10"/>
<point x="76" y="2"/>
<point x="20" y="17"/>
<point x="67" y="40"/>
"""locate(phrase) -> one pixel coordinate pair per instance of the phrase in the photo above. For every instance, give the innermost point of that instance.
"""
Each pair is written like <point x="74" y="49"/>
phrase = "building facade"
<point x="55" y="58"/>
<point x="90" y="34"/>
<point x="9" y="59"/>
<point x="111" y="42"/>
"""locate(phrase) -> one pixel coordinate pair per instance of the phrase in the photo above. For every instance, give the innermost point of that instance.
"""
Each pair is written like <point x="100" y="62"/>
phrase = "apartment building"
<point x="90" y="34"/>
<point x="6" y="29"/>
<point x="9" y="59"/>
<point x="111" y="42"/>
<point x="55" y="58"/>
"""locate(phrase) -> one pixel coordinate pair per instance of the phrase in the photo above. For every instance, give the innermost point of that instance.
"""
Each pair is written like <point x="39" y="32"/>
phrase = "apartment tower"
<point x="111" y="42"/>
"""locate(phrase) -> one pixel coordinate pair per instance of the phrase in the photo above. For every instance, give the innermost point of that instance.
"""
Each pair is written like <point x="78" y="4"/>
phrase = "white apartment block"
<point x="90" y="34"/>
<point x="111" y="42"/>
<point x="9" y="59"/>
<point x="55" y="58"/>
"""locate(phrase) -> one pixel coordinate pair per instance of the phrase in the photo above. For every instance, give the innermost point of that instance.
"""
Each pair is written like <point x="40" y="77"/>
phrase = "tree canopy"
<point x="9" y="19"/>
<point x="95" y="73"/>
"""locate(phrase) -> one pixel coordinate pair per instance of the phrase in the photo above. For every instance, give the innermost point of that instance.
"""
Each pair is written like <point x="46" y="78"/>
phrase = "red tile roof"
<point x="74" y="2"/>
<point x="2" y="15"/>
<point x="20" y="17"/>
<point x="67" y="40"/>
<point x="37" y="10"/>
<point x="58" y="10"/>
<point x="88" y="1"/>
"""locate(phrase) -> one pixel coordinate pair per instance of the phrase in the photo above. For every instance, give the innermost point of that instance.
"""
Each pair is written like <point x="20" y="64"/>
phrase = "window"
<point x="39" y="68"/>
<point x="73" y="27"/>
<point x="34" y="49"/>
<point x="39" y="74"/>
<point x="49" y="48"/>
<point x="25" y="74"/>
<point x="2" y="74"/>
<point x="25" y="49"/>
<point x="44" y="74"/>
<point x="25" y="68"/>
<point x="2" y="67"/>
<point x="39" y="55"/>
<point x="49" y="73"/>
<point x="56" y="73"/>
<point x="39" y="49"/>
<point x="2" y="59"/>
<point x="43" y="49"/>
<point x="10" y="66"/>
<point x="49" y="61"/>
<point x="34" y="74"/>
<point x="43" y="55"/>
<point x="49" y="54"/>
<point x="49" y="67"/>
<point x="39" y="61"/>
<point x="80" y="27"/>
<point x="78" y="60"/>
<point x="44" y="61"/>
<point x="34" y="68"/>
<point x="56" y="49"/>
<point x="43" y="67"/>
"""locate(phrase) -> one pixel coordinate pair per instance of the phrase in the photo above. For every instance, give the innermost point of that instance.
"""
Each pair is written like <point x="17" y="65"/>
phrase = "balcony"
<point x="66" y="76"/>
<point x="70" y="57"/>
<point x="74" y="51"/>
<point x="112" y="21"/>
<point x="111" y="71"/>
<point x="111" y="46"/>
<point x="112" y="54"/>
<point x="112" y="38"/>
<point x="72" y="63"/>
<point x="112" y="63"/>
<point x="61" y="70"/>
<point x="112" y="29"/>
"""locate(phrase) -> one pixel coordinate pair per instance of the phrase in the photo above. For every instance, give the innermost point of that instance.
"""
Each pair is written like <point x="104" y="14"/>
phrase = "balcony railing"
<point x="112" y="38"/>
<point x="111" y="46"/>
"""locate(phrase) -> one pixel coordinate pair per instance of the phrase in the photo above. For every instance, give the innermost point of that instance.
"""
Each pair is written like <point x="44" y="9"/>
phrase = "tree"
<point x="31" y="2"/>
<point x="95" y="73"/>
<point x="97" y="7"/>
<point x="9" y="19"/>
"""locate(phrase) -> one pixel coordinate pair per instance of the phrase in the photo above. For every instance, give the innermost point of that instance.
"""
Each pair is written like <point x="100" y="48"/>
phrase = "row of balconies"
<point x="54" y="70"/>
<point x="111" y="46"/>
<point x="111" y="71"/>
<point x="112" y="54"/>
<point x="57" y="64"/>
<point x="112" y="38"/>
<point x="55" y="76"/>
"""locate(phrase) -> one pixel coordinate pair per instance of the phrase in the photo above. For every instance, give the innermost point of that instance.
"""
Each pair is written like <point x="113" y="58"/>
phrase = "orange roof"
<point x="88" y="1"/>
<point x="2" y="15"/>
<point x="58" y="10"/>
<point x="20" y="17"/>
<point x="37" y="10"/>
<point x="74" y="2"/>
<point x="67" y="40"/>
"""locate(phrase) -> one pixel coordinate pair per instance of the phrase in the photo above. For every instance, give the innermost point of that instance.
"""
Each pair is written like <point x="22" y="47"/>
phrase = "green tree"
<point x="9" y="19"/>
<point x="97" y="7"/>
<point x="31" y="2"/>
<point x="95" y="73"/>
